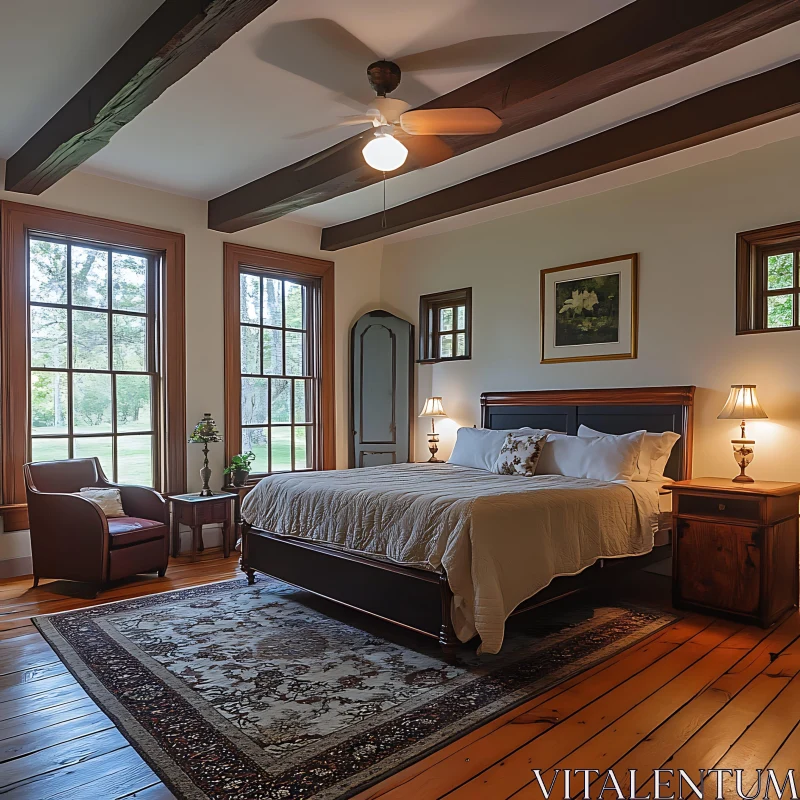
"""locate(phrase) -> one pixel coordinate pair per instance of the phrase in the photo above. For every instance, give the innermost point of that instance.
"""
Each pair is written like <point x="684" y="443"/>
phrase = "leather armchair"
<point x="71" y="537"/>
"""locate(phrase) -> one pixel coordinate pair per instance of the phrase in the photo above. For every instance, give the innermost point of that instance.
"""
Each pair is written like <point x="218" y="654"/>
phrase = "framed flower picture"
<point x="589" y="310"/>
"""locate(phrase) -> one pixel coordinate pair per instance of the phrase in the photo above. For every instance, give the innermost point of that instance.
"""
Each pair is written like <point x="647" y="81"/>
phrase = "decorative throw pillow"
<point x="478" y="448"/>
<point x="109" y="500"/>
<point x="520" y="454"/>
<point x="656" y="449"/>
<point x="602" y="458"/>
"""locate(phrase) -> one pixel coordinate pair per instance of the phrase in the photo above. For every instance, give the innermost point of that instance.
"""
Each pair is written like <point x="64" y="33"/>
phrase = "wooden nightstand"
<point x="735" y="547"/>
<point x="196" y="511"/>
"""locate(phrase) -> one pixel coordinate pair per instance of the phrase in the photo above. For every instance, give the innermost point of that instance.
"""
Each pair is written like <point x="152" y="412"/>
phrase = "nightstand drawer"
<point x="720" y="507"/>
<point x="211" y="512"/>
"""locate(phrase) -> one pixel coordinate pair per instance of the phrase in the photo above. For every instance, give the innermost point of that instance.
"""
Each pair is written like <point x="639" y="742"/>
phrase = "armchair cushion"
<point x="109" y="500"/>
<point x="133" y="530"/>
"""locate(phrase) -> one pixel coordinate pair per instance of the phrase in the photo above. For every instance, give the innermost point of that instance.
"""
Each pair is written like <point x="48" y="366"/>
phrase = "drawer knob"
<point x="722" y="506"/>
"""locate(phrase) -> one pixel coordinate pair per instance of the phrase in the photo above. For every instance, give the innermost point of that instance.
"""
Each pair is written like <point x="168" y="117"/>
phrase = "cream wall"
<point x="683" y="226"/>
<point x="357" y="275"/>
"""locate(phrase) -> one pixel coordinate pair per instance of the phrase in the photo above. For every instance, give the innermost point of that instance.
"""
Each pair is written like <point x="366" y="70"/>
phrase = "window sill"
<point x="768" y="330"/>
<point x="453" y="358"/>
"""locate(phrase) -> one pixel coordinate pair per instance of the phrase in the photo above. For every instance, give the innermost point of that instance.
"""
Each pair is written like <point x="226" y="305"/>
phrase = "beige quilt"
<point x="500" y="538"/>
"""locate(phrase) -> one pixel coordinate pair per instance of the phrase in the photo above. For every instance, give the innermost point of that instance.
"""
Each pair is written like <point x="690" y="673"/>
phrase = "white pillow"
<point x="656" y="449"/>
<point x="479" y="448"/>
<point x="109" y="500"/>
<point x="603" y="458"/>
<point x="520" y="454"/>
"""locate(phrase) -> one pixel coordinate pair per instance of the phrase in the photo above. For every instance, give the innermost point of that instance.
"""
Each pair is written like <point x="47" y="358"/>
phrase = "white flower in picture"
<point x="580" y="301"/>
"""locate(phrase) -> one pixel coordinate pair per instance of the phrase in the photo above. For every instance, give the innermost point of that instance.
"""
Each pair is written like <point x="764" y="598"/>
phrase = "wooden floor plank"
<point x="156" y="792"/>
<point x="27" y="675"/>
<point x="31" y="688"/>
<point x="514" y="771"/>
<point x="39" y="720"/>
<point x="41" y="702"/>
<point x="26" y="743"/>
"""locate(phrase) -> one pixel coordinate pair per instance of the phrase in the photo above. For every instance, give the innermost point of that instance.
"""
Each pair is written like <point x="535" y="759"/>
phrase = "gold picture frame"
<point x="589" y="310"/>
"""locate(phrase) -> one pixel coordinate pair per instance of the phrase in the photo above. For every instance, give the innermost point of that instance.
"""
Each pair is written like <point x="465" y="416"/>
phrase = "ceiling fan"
<point x="322" y="51"/>
<point x="391" y="119"/>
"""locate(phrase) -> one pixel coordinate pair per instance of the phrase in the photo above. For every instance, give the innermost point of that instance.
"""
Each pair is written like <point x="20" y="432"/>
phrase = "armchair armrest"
<point x="140" y="501"/>
<point x="69" y="537"/>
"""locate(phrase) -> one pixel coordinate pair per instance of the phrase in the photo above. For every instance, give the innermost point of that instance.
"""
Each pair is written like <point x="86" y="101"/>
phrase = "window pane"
<point x="273" y="352"/>
<point x="130" y="343"/>
<point x="49" y="402"/>
<point x="89" y="277"/>
<point x="49" y="449"/>
<point x="445" y="319"/>
<point x="89" y="340"/>
<point x="302" y="451"/>
<point x="251" y="361"/>
<point x="129" y="281"/>
<point x="281" y="400"/>
<point x="249" y="298"/>
<point x="91" y="402"/>
<point x="295" y="305"/>
<point x="461" y="344"/>
<point x="273" y="302"/>
<point x="99" y="446"/>
<point x="302" y="413"/>
<point x="780" y="271"/>
<point x="295" y="353"/>
<point x="446" y="346"/>
<point x="255" y="399"/>
<point x="281" y="449"/>
<point x="255" y="439"/>
<point x="780" y="311"/>
<point x="48" y="337"/>
<point x="135" y="460"/>
<point x="134" y="398"/>
<point x="461" y="317"/>
<point x="48" y="271"/>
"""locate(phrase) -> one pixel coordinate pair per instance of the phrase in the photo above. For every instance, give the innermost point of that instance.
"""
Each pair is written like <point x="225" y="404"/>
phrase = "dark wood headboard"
<point x="654" y="408"/>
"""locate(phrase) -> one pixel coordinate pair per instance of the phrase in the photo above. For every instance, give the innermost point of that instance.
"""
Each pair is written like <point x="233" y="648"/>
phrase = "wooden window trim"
<point x="429" y="306"/>
<point x="237" y="257"/>
<point x="17" y="221"/>
<point x="752" y="247"/>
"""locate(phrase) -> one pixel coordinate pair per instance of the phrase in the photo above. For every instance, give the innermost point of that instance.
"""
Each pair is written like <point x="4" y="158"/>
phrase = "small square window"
<point x="445" y="325"/>
<point x="768" y="279"/>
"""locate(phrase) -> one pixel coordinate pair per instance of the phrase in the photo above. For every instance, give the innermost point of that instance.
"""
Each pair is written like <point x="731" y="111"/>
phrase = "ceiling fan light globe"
<point x="385" y="153"/>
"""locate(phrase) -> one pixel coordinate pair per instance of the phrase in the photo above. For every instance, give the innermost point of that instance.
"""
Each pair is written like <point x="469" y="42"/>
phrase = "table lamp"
<point x="742" y="405"/>
<point x="433" y="408"/>
<point x="204" y="432"/>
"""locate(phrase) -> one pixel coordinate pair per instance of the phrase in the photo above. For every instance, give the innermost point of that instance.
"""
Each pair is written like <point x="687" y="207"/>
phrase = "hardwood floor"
<point x="702" y="693"/>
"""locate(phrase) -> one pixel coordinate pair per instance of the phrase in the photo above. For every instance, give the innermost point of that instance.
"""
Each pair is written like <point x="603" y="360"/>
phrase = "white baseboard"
<point x="14" y="567"/>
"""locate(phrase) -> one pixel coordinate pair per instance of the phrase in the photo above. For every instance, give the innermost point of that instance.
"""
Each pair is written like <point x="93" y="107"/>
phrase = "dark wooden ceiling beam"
<point x="712" y="115"/>
<point x="639" y="42"/>
<point x="175" y="39"/>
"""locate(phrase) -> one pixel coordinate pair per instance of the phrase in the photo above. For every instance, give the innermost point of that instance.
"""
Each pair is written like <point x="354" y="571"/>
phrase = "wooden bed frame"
<point x="420" y="599"/>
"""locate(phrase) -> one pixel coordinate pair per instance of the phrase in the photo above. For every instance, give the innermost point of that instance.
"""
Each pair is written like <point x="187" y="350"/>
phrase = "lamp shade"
<point x="433" y="408"/>
<point x="742" y="404"/>
<point x="385" y="153"/>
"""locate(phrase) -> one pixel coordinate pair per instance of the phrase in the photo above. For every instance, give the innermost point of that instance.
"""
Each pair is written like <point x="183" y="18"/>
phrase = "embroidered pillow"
<point x="478" y="448"/>
<point x="520" y="454"/>
<point x="109" y="500"/>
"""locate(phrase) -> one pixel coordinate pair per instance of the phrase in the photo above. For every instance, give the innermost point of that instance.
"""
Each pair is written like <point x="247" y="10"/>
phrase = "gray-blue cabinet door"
<point x="381" y="370"/>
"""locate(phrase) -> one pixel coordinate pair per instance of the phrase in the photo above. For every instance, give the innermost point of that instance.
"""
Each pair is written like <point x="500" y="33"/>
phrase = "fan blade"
<point x="478" y="52"/>
<point x="322" y="51"/>
<point x="424" y="151"/>
<point x="346" y="121"/>
<point x="450" y="122"/>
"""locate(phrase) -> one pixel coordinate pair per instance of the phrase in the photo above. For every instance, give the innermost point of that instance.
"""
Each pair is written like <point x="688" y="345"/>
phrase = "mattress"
<point x="499" y="538"/>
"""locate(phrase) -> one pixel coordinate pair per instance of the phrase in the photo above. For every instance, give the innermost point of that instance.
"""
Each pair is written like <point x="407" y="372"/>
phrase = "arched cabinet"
<point x="381" y="348"/>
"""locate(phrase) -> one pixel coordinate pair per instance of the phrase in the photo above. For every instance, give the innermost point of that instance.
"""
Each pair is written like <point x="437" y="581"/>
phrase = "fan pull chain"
<point x="383" y="218"/>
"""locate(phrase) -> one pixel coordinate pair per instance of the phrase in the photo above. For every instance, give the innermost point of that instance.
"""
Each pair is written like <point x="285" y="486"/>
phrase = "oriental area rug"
<point x="265" y="691"/>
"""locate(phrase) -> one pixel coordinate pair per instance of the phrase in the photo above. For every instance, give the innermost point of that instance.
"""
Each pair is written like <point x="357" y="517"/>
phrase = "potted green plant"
<point x="239" y="468"/>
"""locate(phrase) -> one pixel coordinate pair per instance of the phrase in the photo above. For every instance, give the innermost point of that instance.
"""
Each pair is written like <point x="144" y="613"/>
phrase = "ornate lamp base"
<point x="433" y="446"/>
<point x="743" y="451"/>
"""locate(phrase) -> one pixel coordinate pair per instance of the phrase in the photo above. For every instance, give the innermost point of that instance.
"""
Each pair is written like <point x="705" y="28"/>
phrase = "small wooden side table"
<point x="735" y="547"/>
<point x="196" y="511"/>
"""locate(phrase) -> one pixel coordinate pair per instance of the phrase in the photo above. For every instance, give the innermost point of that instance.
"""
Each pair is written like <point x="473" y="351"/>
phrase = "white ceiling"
<point x="238" y="116"/>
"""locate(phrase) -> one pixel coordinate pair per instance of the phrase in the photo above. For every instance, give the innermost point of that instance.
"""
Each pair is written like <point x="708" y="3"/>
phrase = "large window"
<point x="92" y="345"/>
<point x="279" y="366"/>
<point x="768" y="279"/>
<point x="93" y="338"/>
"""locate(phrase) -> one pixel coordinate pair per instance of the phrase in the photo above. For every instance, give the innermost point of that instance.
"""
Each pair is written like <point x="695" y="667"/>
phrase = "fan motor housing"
<point x="384" y="77"/>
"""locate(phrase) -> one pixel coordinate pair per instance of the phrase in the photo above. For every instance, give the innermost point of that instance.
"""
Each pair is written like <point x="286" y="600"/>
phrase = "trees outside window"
<point x="93" y="356"/>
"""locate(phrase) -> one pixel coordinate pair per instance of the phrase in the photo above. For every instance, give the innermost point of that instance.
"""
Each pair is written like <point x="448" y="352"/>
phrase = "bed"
<point x="452" y="552"/>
